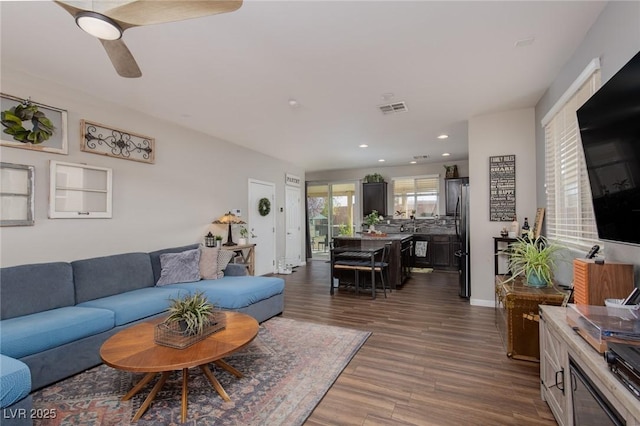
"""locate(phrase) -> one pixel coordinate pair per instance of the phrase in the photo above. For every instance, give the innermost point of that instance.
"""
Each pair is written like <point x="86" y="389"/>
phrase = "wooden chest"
<point x="517" y="315"/>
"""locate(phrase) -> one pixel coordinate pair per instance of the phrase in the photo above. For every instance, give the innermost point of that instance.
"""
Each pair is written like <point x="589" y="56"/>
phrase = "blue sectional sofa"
<point x="55" y="316"/>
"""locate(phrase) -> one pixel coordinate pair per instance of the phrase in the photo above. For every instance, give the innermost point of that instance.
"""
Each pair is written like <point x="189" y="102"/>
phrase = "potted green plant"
<point x="244" y="234"/>
<point x="533" y="258"/>
<point x="218" y="239"/>
<point x="373" y="177"/>
<point x="192" y="313"/>
<point x="372" y="219"/>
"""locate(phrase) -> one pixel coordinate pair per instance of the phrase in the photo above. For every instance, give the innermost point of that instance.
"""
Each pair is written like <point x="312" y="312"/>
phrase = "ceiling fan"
<point x="108" y="19"/>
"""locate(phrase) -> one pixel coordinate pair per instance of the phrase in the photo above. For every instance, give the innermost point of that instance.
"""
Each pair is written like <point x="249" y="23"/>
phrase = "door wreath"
<point x="264" y="206"/>
<point x="13" y="118"/>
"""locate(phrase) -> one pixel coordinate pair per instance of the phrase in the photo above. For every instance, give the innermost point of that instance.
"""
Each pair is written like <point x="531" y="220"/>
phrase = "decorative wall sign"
<point x="502" y="186"/>
<point x="30" y="125"/>
<point x="110" y="141"/>
<point x="16" y="195"/>
<point x="291" y="180"/>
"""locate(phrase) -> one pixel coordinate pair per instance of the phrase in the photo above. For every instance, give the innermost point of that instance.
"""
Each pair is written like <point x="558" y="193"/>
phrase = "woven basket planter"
<point x="170" y="334"/>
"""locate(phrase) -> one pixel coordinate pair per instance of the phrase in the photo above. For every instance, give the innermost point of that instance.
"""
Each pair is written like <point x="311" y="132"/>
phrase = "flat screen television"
<point x="610" y="131"/>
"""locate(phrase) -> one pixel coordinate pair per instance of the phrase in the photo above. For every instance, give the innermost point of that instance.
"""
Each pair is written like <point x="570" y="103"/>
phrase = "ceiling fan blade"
<point x="121" y="58"/>
<point x="144" y="12"/>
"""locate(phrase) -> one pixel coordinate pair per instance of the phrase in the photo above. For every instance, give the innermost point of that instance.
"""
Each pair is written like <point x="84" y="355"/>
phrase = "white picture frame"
<point x="16" y="195"/>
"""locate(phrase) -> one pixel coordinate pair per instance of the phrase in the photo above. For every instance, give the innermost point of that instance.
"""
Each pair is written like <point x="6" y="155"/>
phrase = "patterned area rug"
<point x="287" y="370"/>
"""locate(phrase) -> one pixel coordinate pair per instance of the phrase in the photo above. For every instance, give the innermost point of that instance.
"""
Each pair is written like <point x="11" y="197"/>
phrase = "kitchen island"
<point x="399" y="257"/>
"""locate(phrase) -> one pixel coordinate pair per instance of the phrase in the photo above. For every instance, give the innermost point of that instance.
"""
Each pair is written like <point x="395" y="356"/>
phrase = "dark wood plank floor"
<point x="432" y="358"/>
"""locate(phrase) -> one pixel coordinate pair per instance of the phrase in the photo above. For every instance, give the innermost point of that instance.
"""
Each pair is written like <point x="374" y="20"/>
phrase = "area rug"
<point x="287" y="370"/>
<point x="422" y="270"/>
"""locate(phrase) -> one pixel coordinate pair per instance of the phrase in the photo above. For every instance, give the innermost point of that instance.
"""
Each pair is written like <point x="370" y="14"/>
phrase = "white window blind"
<point x="416" y="193"/>
<point x="569" y="216"/>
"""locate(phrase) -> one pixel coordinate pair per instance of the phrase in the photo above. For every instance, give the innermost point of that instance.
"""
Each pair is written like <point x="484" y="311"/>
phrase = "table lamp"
<point x="229" y="218"/>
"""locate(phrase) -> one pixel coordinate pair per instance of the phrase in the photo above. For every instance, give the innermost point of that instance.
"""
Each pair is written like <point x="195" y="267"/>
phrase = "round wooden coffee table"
<point x="133" y="349"/>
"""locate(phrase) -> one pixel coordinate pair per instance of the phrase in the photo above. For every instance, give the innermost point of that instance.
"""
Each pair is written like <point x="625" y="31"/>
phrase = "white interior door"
<point x="263" y="228"/>
<point x="293" y="241"/>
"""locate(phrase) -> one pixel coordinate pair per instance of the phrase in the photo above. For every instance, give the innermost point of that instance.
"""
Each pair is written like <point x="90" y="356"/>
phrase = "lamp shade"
<point x="230" y="219"/>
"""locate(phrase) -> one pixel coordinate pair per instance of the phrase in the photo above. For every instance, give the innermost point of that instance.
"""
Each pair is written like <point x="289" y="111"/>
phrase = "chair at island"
<point x="369" y="260"/>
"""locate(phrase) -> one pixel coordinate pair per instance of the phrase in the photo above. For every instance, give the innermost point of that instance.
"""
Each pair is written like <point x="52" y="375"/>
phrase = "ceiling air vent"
<point x="420" y="157"/>
<point x="393" y="108"/>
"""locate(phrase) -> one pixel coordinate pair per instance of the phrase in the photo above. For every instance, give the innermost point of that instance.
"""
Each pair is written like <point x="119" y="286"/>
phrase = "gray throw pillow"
<point x="180" y="267"/>
<point x="224" y="257"/>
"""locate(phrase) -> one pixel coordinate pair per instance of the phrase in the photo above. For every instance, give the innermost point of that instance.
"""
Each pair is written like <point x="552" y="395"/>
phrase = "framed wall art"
<point x="79" y="191"/>
<point x="30" y="125"/>
<point x="107" y="140"/>
<point x="502" y="187"/>
<point x="16" y="195"/>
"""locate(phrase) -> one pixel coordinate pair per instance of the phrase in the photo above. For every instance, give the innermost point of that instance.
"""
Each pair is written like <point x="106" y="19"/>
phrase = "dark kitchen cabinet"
<point x="441" y="253"/>
<point x="374" y="197"/>
<point x="452" y="191"/>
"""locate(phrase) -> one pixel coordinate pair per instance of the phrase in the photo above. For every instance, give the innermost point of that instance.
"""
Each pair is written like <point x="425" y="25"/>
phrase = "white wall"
<point x="504" y="133"/>
<point x="615" y="39"/>
<point x="195" y="179"/>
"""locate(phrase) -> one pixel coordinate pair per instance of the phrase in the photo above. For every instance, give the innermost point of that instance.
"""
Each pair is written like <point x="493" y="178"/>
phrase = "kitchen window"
<point x="569" y="214"/>
<point x="419" y="193"/>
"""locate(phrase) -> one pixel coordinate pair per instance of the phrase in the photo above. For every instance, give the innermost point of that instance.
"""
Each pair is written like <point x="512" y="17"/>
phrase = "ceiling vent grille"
<point x="393" y="108"/>
<point x="420" y="157"/>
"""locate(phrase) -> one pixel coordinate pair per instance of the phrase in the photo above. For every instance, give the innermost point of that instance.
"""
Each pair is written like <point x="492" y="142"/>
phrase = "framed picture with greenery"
<point x="30" y="125"/>
<point x="16" y="195"/>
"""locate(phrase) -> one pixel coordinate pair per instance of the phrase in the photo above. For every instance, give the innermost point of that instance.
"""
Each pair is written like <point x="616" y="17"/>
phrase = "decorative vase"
<point x="535" y="280"/>
<point x="242" y="241"/>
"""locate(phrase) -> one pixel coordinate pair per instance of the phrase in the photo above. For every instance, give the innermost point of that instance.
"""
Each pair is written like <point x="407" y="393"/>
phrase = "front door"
<point x="262" y="228"/>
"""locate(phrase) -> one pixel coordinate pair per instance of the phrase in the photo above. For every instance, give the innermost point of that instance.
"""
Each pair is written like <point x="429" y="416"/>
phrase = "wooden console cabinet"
<point x="517" y="315"/>
<point x="559" y="343"/>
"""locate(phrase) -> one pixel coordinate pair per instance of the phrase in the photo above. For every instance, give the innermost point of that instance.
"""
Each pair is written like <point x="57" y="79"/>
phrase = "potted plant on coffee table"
<point x="535" y="259"/>
<point x="191" y="319"/>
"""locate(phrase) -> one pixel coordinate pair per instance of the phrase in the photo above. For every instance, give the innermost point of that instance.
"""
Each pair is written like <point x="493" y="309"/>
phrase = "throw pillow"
<point x="224" y="257"/>
<point x="209" y="262"/>
<point x="180" y="267"/>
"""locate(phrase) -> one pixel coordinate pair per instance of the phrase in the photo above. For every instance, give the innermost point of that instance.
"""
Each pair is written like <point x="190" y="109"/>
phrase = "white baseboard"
<point x="481" y="302"/>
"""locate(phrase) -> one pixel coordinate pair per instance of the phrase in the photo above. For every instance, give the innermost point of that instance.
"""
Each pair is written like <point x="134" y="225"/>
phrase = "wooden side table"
<point x="246" y="252"/>
<point x="517" y="318"/>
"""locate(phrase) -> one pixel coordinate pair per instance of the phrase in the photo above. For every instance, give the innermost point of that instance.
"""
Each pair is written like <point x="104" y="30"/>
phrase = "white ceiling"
<point x="232" y="75"/>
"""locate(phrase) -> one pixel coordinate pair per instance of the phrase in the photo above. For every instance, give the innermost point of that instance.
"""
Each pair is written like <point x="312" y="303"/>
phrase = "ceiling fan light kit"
<point x="98" y="25"/>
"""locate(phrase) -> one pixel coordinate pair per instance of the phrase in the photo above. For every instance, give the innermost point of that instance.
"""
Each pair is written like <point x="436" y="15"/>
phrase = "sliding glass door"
<point x="332" y="211"/>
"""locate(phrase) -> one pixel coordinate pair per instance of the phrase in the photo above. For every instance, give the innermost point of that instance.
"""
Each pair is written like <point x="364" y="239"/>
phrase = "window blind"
<point x="569" y="216"/>
<point x="416" y="193"/>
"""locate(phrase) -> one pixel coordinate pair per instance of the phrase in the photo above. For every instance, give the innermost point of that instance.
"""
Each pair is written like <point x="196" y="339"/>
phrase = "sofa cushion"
<point x="15" y="380"/>
<point x="137" y="304"/>
<point x="22" y="288"/>
<point x="235" y="292"/>
<point x="224" y="257"/>
<point x="38" y="332"/>
<point x="183" y="267"/>
<point x="109" y="275"/>
<point x="209" y="262"/>
<point x="155" y="258"/>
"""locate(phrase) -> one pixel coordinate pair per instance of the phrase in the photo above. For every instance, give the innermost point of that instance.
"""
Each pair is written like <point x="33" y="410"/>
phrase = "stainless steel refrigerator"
<point x="462" y="220"/>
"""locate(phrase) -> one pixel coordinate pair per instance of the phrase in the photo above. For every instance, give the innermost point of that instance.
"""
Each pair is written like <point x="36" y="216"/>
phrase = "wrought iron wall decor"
<point x="30" y="125"/>
<point x="103" y="140"/>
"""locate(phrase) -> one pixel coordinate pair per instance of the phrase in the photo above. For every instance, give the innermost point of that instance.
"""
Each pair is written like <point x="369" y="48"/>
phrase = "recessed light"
<point x="387" y="96"/>
<point x="446" y="154"/>
<point x="364" y="145"/>
<point x="381" y="160"/>
<point x="443" y="136"/>
<point x="413" y="162"/>
<point x="293" y="103"/>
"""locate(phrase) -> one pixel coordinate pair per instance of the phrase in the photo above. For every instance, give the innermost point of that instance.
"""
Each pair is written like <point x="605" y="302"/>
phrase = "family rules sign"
<point x="502" y="186"/>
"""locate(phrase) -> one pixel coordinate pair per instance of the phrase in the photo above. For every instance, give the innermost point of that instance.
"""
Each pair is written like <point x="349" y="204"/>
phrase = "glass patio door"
<point x="332" y="212"/>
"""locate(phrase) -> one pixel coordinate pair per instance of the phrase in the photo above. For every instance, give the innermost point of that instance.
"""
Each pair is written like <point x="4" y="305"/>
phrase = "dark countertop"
<point x="388" y="237"/>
